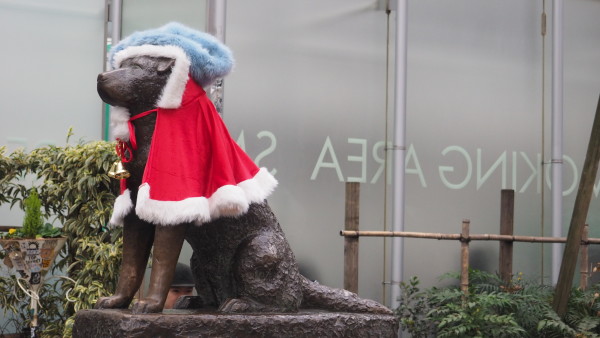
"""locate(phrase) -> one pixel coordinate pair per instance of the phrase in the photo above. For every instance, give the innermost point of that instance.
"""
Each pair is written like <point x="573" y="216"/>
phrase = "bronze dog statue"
<point x="241" y="260"/>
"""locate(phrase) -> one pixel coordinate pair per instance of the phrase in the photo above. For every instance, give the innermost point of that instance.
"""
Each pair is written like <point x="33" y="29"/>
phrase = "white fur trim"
<point x="173" y="90"/>
<point x="193" y="209"/>
<point x="259" y="187"/>
<point x="118" y="123"/>
<point x="229" y="200"/>
<point x="122" y="207"/>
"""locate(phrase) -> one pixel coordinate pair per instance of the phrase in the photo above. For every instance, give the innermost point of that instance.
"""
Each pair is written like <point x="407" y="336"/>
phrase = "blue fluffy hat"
<point x="207" y="58"/>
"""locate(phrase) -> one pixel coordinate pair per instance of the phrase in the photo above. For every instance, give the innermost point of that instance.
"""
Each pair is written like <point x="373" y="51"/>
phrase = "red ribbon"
<point x="124" y="151"/>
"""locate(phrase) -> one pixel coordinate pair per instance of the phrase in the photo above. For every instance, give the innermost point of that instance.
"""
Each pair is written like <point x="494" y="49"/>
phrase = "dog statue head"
<point x="137" y="84"/>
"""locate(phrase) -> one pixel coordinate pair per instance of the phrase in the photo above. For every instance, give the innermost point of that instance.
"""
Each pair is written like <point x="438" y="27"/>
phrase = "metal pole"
<point x="215" y="24"/>
<point x="557" y="133"/>
<point x="216" y="16"/>
<point x="115" y="18"/>
<point x="399" y="149"/>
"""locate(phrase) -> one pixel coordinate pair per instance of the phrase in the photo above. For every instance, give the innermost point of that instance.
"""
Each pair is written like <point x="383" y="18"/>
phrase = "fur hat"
<point x="208" y="58"/>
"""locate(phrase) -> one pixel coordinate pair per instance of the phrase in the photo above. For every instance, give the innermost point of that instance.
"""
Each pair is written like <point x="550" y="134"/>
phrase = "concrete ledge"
<point x="188" y="323"/>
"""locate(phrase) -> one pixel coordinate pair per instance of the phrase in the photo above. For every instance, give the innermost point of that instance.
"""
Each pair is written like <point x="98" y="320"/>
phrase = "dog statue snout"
<point x="101" y="78"/>
<point x="105" y="76"/>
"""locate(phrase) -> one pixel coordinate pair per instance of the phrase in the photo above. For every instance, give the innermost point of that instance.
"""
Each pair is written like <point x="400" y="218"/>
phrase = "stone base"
<point x="188" y="323"/>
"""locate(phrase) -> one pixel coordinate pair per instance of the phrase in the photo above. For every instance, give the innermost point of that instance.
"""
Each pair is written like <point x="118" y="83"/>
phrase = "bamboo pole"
<point x="363" y="233"/>
<point x="476" y="237"/>
<point x="464" y="257"/>
<point x="351" y="242"/>
<point x="507" y="209"/>
<point x="578" y="218"/>
<point x="584" y="264"/>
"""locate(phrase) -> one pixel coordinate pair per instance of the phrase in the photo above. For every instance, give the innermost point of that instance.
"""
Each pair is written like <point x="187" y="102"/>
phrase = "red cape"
<point x="195" y="171"/>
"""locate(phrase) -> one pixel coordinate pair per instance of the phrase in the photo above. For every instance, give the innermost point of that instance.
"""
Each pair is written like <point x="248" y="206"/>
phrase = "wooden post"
<point x="464" y="257"/>
<point x="584" y="264"/>
<point x="580" y="211"/>
<point x="351" y="243"/>
<point x="507" y="212"/>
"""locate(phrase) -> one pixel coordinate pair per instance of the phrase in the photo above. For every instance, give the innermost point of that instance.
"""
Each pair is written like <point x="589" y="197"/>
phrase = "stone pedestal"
<point x="188" y="323"/>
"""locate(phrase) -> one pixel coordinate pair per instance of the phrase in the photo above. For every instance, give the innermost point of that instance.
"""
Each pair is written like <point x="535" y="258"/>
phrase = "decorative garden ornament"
<point x="30" y="260"/>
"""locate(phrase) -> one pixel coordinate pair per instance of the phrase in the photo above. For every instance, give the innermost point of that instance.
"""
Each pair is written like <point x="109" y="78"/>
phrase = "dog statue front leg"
<point x="137" y="242"/>
<point x="168" y="241"/>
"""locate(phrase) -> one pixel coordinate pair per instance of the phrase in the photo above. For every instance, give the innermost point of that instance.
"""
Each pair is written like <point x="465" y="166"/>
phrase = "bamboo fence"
<point x="351" y="235"/>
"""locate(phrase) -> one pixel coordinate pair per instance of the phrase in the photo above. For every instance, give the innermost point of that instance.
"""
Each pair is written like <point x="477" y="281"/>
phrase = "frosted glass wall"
<point x="51" y="55"/>
<point x="144" y="14"/>
<point x="474" y="127"/>
<point x="308" y="100"/>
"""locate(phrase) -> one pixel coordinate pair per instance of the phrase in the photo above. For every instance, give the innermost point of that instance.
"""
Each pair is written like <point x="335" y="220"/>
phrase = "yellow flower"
<point x="12" y="231"/>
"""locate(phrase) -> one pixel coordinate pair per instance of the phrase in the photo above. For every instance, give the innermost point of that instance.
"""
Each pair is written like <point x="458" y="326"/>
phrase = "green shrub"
<point x="582" y="317"/>
<point x="475" y="315"/>
<point x="33" y="220"/>
<point x="413" y="308"/>
<point x="495" y="309"/>
<point x="75" y="192"/>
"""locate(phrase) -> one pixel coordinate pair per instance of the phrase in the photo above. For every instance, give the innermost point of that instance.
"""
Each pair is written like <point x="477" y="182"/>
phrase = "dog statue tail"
<point x="317" y="296"/>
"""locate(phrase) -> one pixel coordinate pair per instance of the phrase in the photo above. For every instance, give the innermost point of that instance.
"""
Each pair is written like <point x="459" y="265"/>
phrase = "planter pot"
<point x="31" y="258"/>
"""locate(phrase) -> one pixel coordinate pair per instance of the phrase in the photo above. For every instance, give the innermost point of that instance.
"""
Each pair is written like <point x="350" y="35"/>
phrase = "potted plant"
<point x="31" y="249"/>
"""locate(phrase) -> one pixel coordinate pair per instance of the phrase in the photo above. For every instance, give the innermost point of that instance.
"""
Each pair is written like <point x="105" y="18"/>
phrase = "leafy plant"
<point x="493" y="308"/>
<point x="529" y="300"/>
<point x="413" y="308"/>
<point x="104" y="261"/>
<point x="75" y="192"/>
<point x="33" y="221"/>
<point x="474" y="315"/>
<point x="581" y="320"/>
<point x="48" y="231"/>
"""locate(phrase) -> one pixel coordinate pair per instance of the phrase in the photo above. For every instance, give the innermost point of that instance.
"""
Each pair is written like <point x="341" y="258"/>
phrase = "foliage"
<point x="529" y="300"/>
<point x="48" y="231"/>
<point x="17" y="310"/>
<point x="75" y="192"/>
<point x="413" y="308"/>
<point x="582" y="318"/>
<point x="33" y="220"/>
<point x="493" y="308"/>
<point x="475" y="315"/>
<point x="103" y="260"/>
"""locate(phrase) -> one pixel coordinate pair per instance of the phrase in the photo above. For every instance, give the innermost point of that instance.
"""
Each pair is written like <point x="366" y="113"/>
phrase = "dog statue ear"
<point x="165" y="65"/>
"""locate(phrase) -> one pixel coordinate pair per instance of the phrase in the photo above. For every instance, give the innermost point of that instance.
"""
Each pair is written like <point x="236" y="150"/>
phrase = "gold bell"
<point x="118" y="172"/>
